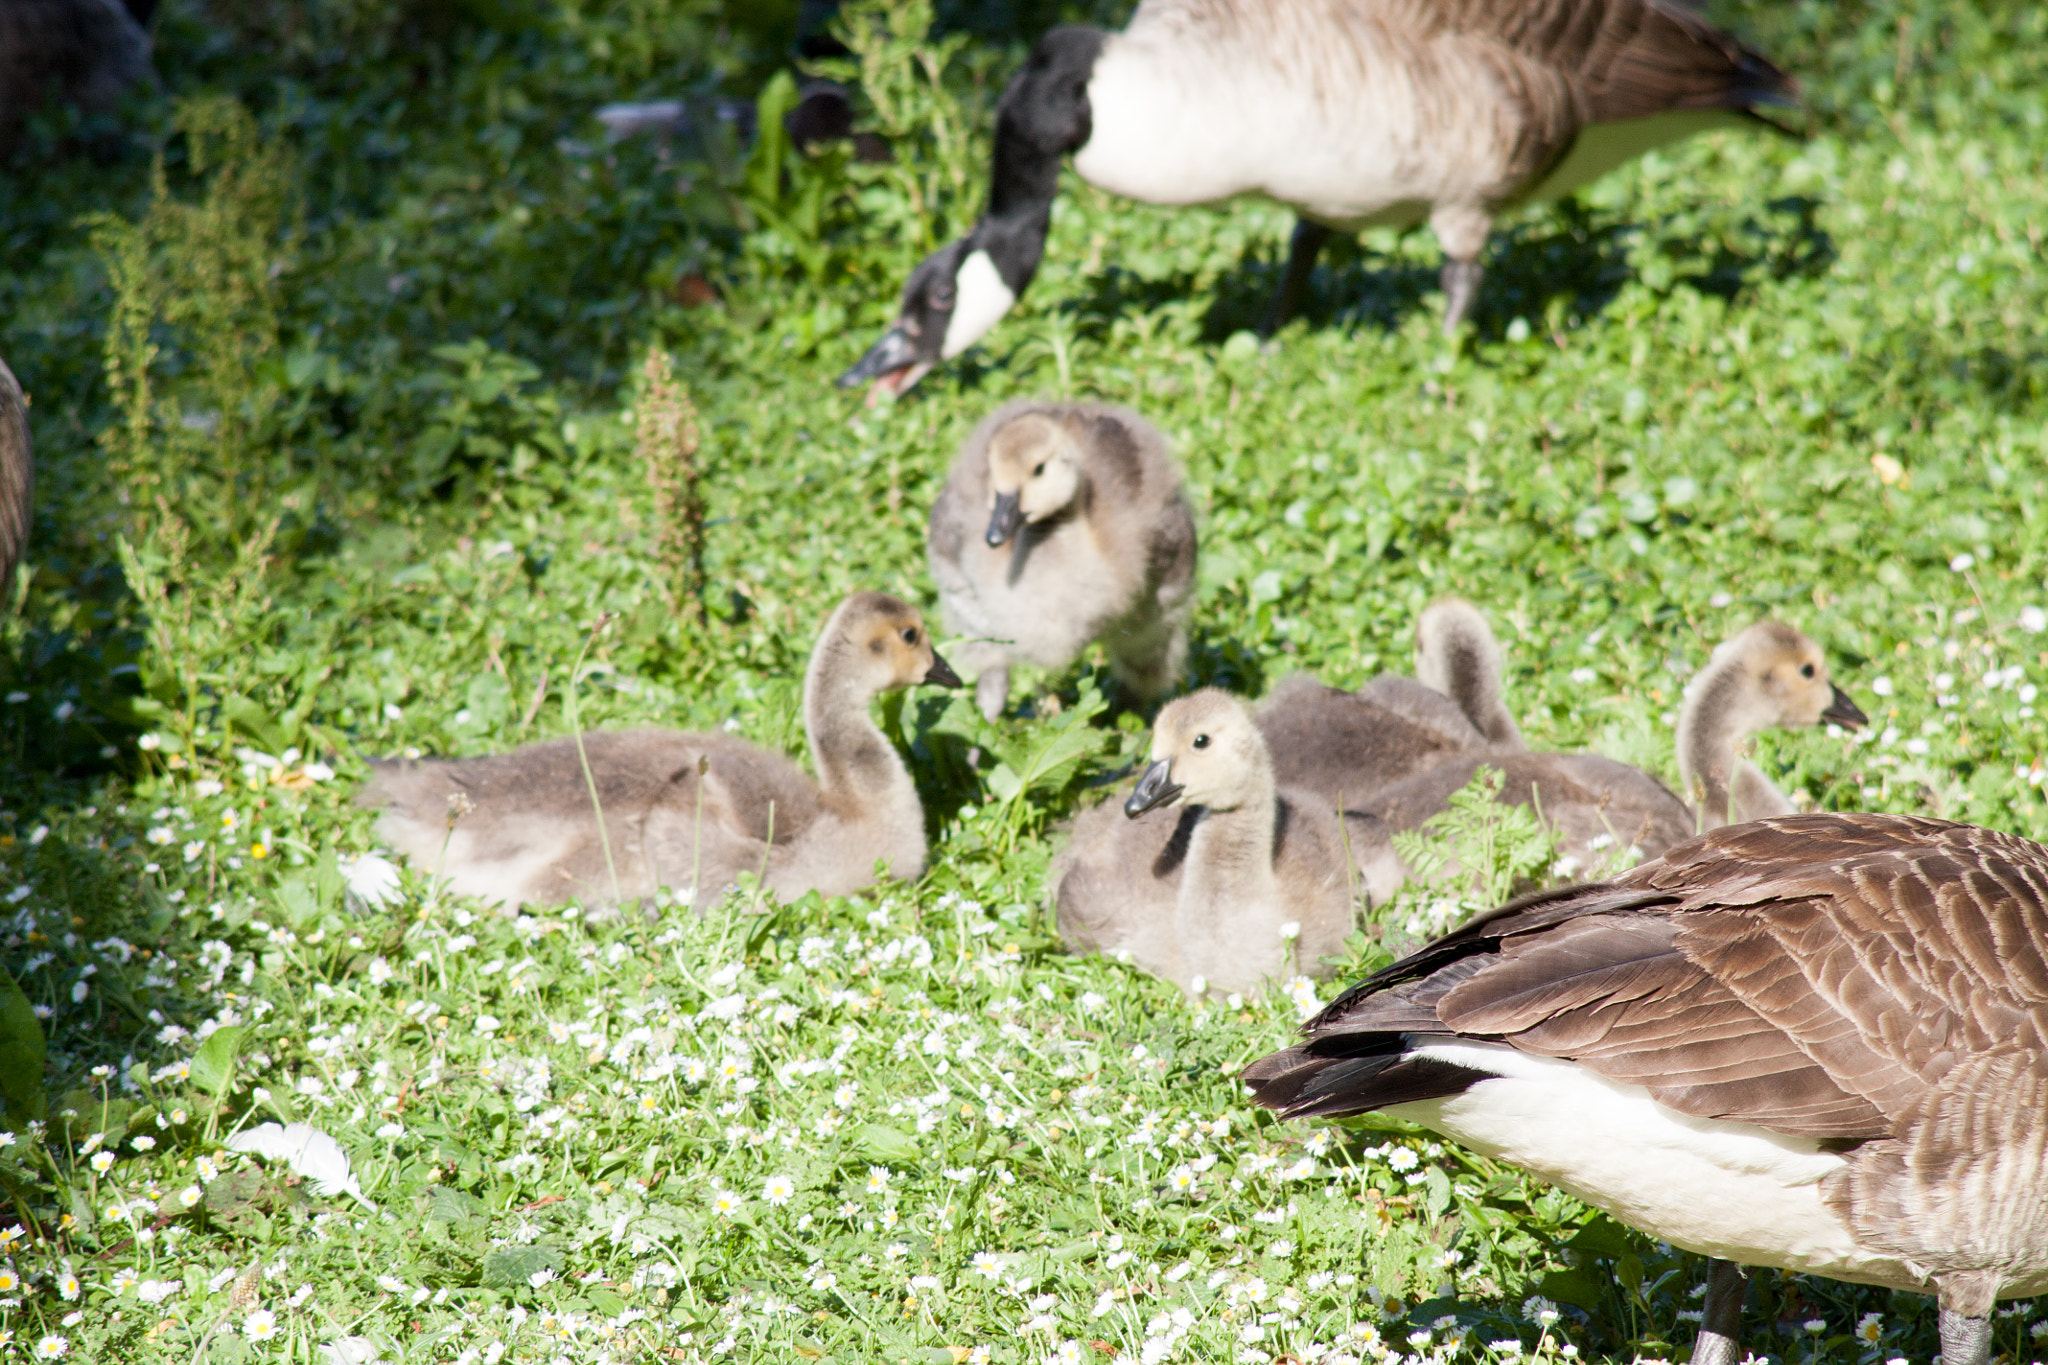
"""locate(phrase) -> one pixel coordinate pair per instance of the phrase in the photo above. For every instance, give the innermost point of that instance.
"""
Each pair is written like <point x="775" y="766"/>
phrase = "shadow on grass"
<point x="1570" y="257"/>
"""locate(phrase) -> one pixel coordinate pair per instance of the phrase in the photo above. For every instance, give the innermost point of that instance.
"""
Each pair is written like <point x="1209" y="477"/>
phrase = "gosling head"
<point x="1034" y="472"/>
<point x="1206" y="751"/>
<point x="1785" y="678"/>
<point x="883" y="641"/>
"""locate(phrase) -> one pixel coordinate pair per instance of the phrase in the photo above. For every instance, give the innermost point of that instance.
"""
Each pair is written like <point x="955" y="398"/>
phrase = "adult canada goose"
<point x="1349" y="745"/>
<point x="1813" y="1042"/>
<point x="686" y="810"/>
<point x="1243" y="884"/>
<point x="80" y="52"/>
<point x="1356" y="112"/>
<point x="1063" y="523"/>
<point x="17" y="479"/>
<point x="1768" y="676"/>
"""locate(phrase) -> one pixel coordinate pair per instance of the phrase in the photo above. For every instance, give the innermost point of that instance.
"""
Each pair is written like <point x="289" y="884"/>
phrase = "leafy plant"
<point x="1477" y="852"/>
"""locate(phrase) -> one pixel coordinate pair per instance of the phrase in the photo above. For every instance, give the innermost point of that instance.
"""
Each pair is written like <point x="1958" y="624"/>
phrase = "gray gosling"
<point x="1348" y="746"/>
<point x="685" y="810"/>
<point x="17" y="479"/>
<point x="1768" y="677"/>
<point x="1456" y="656"/>
<point x="1063" y="523"/>
<point x="1242" y="886"/>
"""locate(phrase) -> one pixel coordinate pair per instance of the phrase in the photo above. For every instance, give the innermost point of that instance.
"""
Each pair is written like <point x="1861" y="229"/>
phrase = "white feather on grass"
<point x="313" y="1155"/>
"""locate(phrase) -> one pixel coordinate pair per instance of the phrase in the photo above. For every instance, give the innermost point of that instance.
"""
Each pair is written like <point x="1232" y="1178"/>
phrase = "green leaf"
<point x="260" y="725"/>
<point x="1603" y="1236"/>
<point x="763" y="179"/>
<point x="1005" y="783"/>
<point x="1437" y="1191"/>
<point x="213" y="1066"/>
<point x="889" y="1145"/>
<point x="513" y="1267"/>
<point x="22" y="1051"/>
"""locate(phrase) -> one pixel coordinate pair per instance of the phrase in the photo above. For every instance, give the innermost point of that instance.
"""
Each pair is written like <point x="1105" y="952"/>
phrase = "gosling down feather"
<point x="1063" y="523"/>
<point x="1767" y="677"/>
<point x="1207" y="874"/>
<point x="17" y="478"/>
<point x="1812" y="1042"/>
<point x="1342" y="747"/>
<point x="1355" y="112"/>
<point x="1349" y="746"/>
<point x="685" y="810"/>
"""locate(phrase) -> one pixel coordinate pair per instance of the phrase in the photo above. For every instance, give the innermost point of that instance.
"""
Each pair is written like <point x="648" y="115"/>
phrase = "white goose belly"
<point x="1715" y="1187"/>
<point x="1174" y="127"/>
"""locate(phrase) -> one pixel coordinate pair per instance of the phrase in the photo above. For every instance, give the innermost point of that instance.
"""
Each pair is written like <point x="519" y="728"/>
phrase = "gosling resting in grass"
<point x="1770" y="676"/>
<point x="686" y="810"/>
<point x="1063" y="523"/>
<point x="1348" y="746"/>
<point x="1456" y="656"/>
<point x="1207" y="875"/>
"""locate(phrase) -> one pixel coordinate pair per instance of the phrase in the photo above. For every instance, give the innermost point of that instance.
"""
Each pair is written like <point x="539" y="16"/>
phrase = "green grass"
<point x="381" y="486"/>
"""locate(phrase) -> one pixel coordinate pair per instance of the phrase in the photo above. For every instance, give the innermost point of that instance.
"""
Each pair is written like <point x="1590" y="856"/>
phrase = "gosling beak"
<point x="941" y="673"/>
<point x="1006" y="518"/>
<point x="1845" y="713"/>
<point x="892" y="363"/>
<point x="1155" y="788"/>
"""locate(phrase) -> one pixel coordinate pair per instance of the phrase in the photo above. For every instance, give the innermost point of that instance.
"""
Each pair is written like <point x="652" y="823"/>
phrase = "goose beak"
<point x="1155" y="788"/>
<point x="892" y="363"/>
<point x="1845" y="713"/>
<point x="941" y="673"/>
<point x="1006" y="518"/>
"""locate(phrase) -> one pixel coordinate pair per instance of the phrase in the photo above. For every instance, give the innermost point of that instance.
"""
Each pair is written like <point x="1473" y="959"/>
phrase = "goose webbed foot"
<point x="1460" y="280"/>
<point x="1965" y="1340"/>
<point x="1302" y="250"/>
<point x="1719" y="1341"/>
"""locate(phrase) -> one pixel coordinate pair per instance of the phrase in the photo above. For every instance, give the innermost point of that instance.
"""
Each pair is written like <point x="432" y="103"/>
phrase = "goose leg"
<point x="1965" y="1340"/>
<point x="1721" y="1324"/>
<point x="1302" y="251"/>
<point x="1461" y="229"/>
<point x="1461" y="291"/>
<point x="992" y="690"/>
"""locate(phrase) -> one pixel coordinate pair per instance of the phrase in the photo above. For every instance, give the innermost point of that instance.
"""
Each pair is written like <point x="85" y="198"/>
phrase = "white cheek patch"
<point x="982" y="297"/>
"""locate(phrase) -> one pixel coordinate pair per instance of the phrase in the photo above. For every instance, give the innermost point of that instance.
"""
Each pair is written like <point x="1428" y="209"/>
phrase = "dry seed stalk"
<point x="667" y="444"/>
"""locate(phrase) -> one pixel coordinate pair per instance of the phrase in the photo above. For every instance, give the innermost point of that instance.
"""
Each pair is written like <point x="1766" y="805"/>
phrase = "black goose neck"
<point x="1043" y="115"/>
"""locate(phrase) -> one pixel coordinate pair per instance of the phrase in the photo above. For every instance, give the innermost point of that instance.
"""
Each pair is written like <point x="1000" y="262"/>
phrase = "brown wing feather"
<point x="1623" y="59"/>
<point x="1870" y="977"/>
<point x="1617" y="995"/>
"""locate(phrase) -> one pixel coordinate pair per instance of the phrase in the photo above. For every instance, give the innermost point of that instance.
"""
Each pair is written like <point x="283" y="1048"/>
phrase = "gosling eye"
<point x="1038" y="469"/>
<point x="910" y="635"/>
<point x="1806" y="670"/>
<point x="1199" y="742"/>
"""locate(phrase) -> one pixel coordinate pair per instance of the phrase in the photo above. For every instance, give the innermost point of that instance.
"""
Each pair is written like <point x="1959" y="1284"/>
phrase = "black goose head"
<point x="961" y="291"/>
